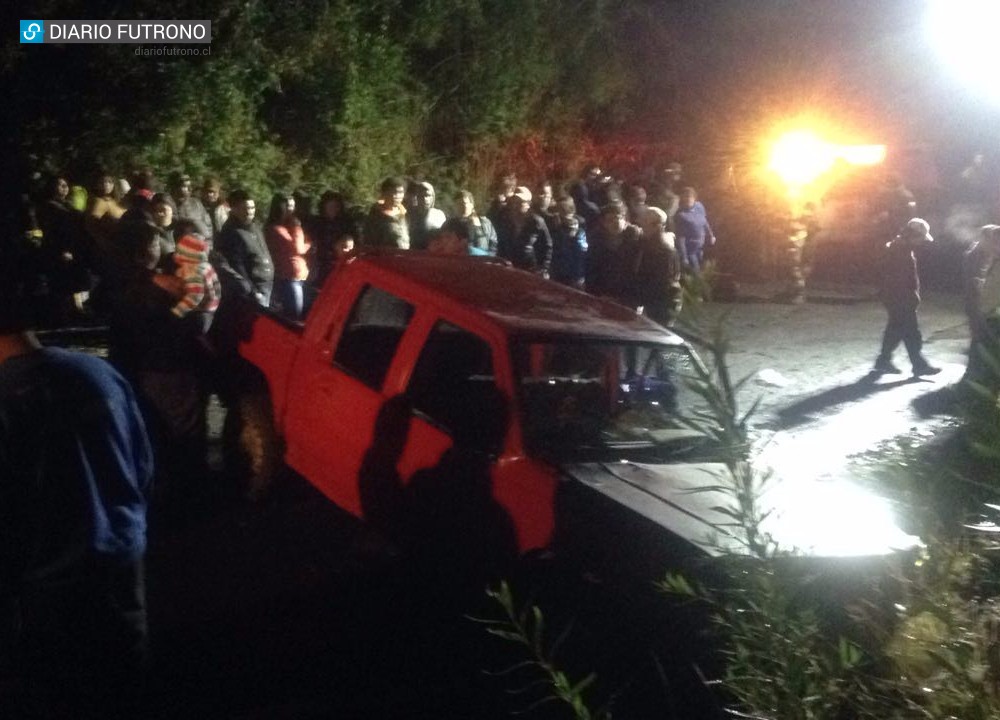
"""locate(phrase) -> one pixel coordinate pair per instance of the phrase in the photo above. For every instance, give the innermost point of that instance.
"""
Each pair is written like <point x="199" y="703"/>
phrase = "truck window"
<point x="374" y="329"/>
<point x="605" y="398"/>
<point x="453" y="384"/>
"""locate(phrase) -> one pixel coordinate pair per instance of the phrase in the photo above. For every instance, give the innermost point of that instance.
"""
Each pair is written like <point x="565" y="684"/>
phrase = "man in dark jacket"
<point x="612" y="256"/>
<point x="658" y="270"/>
<point x="901" y="297"/>
<point x="522" y="236"/>
<point x="386" y="225"/>
<point x="241" y="257"/>
<point x="569" y="246"/>
<point x="583" y="194"/>
<point x="479" y="228"/>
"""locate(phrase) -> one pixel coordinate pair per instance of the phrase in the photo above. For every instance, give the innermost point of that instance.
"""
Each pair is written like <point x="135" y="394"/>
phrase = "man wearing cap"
<point x="188" y="206"/>
<point x="75" y="476"/>
<point x="900" y="294"/>
<point x="522" y="236"/>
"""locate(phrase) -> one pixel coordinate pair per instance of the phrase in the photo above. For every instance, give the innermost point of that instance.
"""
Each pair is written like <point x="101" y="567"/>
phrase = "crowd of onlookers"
<point x="163" y="268"/>
<point x="595" y="234"/>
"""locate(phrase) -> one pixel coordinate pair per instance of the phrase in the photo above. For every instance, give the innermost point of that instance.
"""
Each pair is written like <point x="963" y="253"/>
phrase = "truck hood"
<point x="813" y="518"/>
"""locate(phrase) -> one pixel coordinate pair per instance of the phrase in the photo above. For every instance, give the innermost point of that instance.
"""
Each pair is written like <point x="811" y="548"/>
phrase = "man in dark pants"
<point x="75" y="474"/>
<point x="901" y="297"/>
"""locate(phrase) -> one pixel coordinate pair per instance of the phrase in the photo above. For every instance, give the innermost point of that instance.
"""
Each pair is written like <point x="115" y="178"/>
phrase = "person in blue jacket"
<point x="76" y="470"/>
<point x="693" y="231"/>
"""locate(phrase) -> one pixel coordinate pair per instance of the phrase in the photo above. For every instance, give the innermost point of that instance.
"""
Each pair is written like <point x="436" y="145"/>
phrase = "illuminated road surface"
<point x="821" y="409"/>
<point x="810" y="365"/>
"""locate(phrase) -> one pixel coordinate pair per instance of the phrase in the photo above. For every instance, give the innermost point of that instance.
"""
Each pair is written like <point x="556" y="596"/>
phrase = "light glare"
<point x="863" y="154"/>
<point x="962" y="31"/>
<point x="810" y="517"/>
<point x="801" y="157"/>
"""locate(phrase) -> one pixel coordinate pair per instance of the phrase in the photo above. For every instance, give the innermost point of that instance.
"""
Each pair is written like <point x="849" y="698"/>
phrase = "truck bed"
<point x="272" y="346"/>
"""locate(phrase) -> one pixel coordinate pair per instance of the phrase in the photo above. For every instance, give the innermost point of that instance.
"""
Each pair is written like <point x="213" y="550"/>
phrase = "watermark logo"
<point x="32" y="31"/>
<point x="103" y="32"/>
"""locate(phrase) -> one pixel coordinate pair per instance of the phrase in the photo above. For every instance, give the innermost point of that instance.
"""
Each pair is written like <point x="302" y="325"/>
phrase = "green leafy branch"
<point x="526" y="627"/>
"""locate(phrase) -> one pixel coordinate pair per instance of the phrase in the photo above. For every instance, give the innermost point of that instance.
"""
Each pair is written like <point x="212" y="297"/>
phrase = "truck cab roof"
<point x="520" y="302"/>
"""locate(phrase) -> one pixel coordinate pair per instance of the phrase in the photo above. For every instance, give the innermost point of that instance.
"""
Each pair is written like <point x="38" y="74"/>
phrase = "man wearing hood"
<point x="424" y="218"/>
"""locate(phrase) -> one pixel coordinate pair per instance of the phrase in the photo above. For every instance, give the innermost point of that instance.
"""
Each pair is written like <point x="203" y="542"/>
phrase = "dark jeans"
<point x="288" y="295"/>
<point x="80" y="644"/>
<point x="691" y="253"/>
<point x="902" y="328"/>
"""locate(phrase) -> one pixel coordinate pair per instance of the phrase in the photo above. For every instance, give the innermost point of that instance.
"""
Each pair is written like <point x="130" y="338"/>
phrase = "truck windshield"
<point x="591" y="400"/>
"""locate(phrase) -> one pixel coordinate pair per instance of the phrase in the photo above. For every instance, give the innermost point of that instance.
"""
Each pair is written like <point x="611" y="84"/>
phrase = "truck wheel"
<point x="252" y="449"/>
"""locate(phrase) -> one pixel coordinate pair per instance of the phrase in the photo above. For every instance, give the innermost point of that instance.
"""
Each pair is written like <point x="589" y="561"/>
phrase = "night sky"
<point x="871" y="66"/>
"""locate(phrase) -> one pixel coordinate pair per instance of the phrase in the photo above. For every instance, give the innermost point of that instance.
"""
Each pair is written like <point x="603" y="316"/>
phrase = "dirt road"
<point x="810" y="366"/>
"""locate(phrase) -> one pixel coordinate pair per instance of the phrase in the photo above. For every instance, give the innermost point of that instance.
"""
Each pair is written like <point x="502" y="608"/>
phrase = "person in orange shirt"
<point x="288" y="245"/>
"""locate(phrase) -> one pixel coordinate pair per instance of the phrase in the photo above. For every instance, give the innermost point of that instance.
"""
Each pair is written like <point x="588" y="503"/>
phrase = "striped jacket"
<point x="202" y="289"/>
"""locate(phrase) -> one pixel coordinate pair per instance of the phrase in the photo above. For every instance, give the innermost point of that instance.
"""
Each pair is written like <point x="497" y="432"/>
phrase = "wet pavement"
<point x="810" y="366"/>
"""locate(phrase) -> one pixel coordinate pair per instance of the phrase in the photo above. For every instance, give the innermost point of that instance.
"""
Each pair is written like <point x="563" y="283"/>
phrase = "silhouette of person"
<point x="452" y="519"/>
<point x="380" y="485"/>
<point x="446" y="518"/>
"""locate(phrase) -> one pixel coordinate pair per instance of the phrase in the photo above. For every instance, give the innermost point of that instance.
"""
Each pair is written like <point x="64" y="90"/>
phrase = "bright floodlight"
<point x="862" y="154"/>
<point x="800" y="157"/>
<point x="963" y="32"/>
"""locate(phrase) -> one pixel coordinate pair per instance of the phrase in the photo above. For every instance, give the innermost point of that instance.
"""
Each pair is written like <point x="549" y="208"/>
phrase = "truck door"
<point x="454" y="396"/>
<point x="457" y="400"/>
<point x="336" y="421"/>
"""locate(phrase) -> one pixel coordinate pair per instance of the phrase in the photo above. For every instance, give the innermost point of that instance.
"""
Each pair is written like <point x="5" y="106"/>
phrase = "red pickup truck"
<point x="569" y="395"/>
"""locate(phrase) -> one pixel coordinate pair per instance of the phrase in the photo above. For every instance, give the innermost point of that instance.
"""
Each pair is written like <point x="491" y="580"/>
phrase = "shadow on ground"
<point x="803" y="411"/>
<point x="947" y="400"/>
